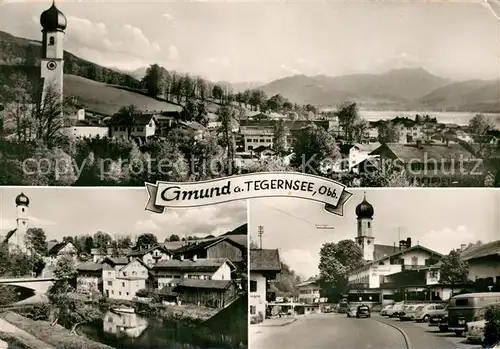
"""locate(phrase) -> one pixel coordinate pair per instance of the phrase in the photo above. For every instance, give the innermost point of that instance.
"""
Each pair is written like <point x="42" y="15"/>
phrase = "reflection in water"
<point x="122" y="324"/>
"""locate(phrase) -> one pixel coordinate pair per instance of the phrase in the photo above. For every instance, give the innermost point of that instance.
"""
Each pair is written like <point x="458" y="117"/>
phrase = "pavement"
<point x="336" y="331"/>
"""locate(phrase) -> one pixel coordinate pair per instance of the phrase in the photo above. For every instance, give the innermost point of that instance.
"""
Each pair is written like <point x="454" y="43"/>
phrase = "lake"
<point x="133" y="331"/>
<point x="459" y="118"/>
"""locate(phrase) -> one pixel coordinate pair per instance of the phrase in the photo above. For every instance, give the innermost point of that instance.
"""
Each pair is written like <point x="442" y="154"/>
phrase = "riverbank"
<point x="52" y="336"/>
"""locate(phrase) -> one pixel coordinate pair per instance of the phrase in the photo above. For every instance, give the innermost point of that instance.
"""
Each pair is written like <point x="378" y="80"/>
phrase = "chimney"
<point x="419" y="143"/>
<point x="408" y="242"/>
<point x="402" y="244"/>
<point x="462" y="247"/>
<point x="195" y="257"/>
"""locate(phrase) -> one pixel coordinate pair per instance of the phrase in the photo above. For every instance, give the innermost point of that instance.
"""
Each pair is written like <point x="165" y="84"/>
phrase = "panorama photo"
<point x="379" y="94"/>
<point x="91" y="268"/>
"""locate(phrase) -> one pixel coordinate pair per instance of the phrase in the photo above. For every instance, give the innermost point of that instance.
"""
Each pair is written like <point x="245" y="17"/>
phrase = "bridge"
<point x="38" y="285"/>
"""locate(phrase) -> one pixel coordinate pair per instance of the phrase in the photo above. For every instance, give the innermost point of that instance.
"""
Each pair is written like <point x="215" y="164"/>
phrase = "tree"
<point x="275" y="103"/>
<point x="127" y="117"/>
<point x="337" y="260"/>
<point x="453" y="270"/>
<point x="101" y="241"/>
<point x="385" y="175"/>
<point x="49" y="119"/>
<point x="147" y="240"/>
<point x="217" y="92"/>
<point x="348" y="116"/>
<point x="153" y="80"/>
<point x="359" y="129"/>
<point x="226" y="116"/>
<point x="313" y="148"/>
<point x="124" y="241"/>
<point x="279" y="137"/>
<point x="479" y="127"/>
<point x="36" y="241"/>
<point x="388" y="132"/>
<point x="257" y="98"/>
<point x="174" y="237"/>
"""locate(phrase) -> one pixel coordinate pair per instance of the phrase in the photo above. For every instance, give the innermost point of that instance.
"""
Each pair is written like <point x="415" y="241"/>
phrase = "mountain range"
<point x="397" y="89"/>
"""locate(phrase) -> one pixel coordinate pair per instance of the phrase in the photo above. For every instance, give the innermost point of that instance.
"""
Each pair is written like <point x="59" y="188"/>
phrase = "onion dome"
<point x="364" y="209"/>
<point x="53" y="19"/>
<point x="22" y="200"/>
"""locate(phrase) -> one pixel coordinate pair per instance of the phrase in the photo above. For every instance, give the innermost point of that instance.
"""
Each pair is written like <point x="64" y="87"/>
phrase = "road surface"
<point x="336" y="331"/>
<point x="328" y="331"/>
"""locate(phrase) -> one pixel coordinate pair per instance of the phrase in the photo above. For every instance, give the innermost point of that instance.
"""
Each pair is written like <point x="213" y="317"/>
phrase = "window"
<point x="439" y="307"/>
<point x="249" y="140"/>
<point x="112" y="292"/>
<point x="369" y="224"/>
<point x="462" y="302"/>
<point x="109" y="273"/>
<point x="414" y="260"/>
<point x="120" y="293"/>
<point x="127" y="293"/>
<point x="52" y="41"/>
<point x="253" y="310"/>
<point x="253" y="286"/>
<point x="110" y="283"/>
<point x="123" y="284"/>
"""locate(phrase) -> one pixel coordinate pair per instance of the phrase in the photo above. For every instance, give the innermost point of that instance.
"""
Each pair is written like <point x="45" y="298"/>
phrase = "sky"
<point x="437" y="219"/>
<point x="245" y="41"/>
<point x="117" y="211"/>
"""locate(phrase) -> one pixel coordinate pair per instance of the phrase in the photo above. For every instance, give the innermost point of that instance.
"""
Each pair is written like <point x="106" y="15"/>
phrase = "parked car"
<point x="444" y="324"/>
<point x="474" y="330"/>
<point x="424" y="313"/>
<point x="395" y="310"/>
<point x="463" y="309"/>
<point x="384" y="310"/>
<point x="363" y="311"/>
<point x="437" y="316"/>
<point x="408" y="312"/>
<point x="352" y="312"/>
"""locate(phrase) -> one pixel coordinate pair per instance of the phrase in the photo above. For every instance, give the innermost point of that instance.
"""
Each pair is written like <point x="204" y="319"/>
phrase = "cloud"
<point x="173" y="53"/>
<point x="99" y="42"/>
<point x="401" y="61"/>
<point x="146" y="226"/>
<point x="170" y="19"/>
<point x="291" y="70"/>
<point x="441" y="240"/>
<point x="39" y="222"/>
<point x="302" y="262"/>
<point x="209" y="220"/>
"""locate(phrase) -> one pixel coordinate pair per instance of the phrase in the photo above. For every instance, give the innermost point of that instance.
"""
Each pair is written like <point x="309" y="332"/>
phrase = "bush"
<point x="492" y="330"/>
<point x="40" y="312"/>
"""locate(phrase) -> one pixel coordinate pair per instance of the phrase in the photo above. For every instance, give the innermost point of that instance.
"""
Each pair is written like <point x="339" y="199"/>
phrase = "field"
<point x="107" y="99"/>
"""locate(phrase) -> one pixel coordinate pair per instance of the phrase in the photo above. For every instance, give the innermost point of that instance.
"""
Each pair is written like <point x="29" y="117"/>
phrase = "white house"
<point x="255" y="137"/>
<point x="483" y="261"/>
<point x="152" y="255"/>
<point x="264" y="266"/>
<point x="122" y="278"/>
<point x="141" y="128"/>
<point x="359" y="153"/>
<point x="170" y="273"/>
<point x="309" y="291"/>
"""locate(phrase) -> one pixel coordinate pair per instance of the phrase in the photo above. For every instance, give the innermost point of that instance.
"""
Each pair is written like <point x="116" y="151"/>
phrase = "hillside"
<point x="107" y="99"/>
<point x="472" y="95"/>
<point x="396" y="87"/>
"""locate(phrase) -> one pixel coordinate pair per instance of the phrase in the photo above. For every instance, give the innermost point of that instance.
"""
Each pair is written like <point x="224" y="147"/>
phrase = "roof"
<point x="143" y="252"/>
<point x="241" y="230"/>
<point x="206" y="284"/>
<point x="196" y="126"/>
<point x="205" y="264"/>
<point x="140" y="119"/>
<point x="116" y="260"/>
<point x="408" y="152"/>
<point x="265" y="260"/>
<point x="307" y="283"/>
<point x="58" y="247"/>
<point x="383" y="250"/>
<point x="489" y="249"/>
<point x="173" y="245"/>
<point x="367" y="147"/>
<point x="256" y="131"/>
<point x="9" y="234"/>
<point x="200" y="245"/>
<point x="90" y="266"/>
<point x="97" y="251"/>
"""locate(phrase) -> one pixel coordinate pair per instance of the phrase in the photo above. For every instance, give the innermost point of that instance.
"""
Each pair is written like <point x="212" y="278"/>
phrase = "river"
<point x="133" y="331"/>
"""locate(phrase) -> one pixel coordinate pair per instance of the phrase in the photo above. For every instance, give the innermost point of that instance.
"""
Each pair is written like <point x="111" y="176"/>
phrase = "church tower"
<point x="53" y="24"/>
<point x="22" y="204"/>
<point x="365" y="238"/>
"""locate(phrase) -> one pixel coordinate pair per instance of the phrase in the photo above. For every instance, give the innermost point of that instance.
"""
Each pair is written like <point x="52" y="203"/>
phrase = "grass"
<point x="56" y="336"/>
<point x="15" y="342"/>
<point x="107" y="99"/>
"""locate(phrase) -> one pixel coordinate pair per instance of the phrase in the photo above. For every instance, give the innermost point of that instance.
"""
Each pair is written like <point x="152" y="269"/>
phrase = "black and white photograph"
<point x="372" y="94"/>
<point x="90" y="268"/>
<point x="402" y="268"/>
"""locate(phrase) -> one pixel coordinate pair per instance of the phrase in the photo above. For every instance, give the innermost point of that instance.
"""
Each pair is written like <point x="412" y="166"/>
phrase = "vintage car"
<point x="384" y="310"/>
<point x="424" y="313"/>
<point x="363" y="311"/>
<point x="352" y="312"/>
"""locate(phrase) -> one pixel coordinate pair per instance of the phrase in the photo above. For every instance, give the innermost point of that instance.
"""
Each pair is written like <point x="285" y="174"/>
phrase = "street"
<point x="330" y="331"/>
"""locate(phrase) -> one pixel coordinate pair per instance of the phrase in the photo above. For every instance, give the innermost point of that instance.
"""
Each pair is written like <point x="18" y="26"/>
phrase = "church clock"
<point x="51" y="65"/>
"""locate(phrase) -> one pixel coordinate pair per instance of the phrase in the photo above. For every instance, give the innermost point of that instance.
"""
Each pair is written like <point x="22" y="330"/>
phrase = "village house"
<point x="198" y="129"/>
<point x="484" y="265"/>
<point x="98" y="254"/>
<point x="254" y="137"/>
<point x="356" y="153"/>
<point x="140" y="128"/>
<point x="264" y="266"/>
<point x="151" y="255"/>
<point x="430" y="164"/>
<point x="89" y="278"/>
<point x="309" y="291"/>
<point x="123" y="277"/>
<point x="82" y="125"/>
<point x="208" y="293"/>
<point x="169" y="273"/>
